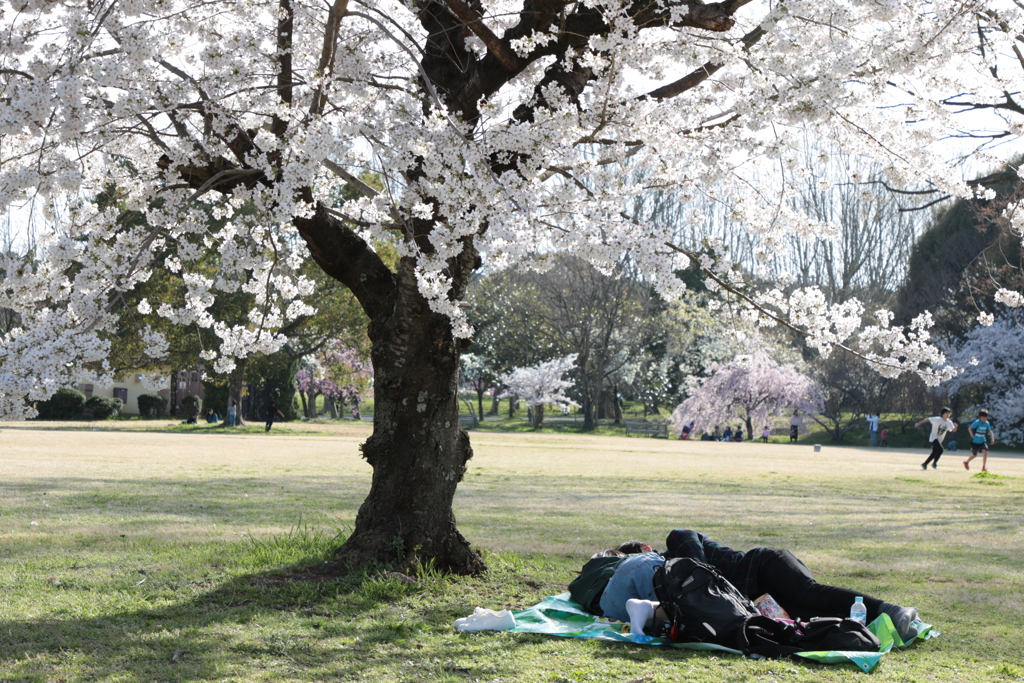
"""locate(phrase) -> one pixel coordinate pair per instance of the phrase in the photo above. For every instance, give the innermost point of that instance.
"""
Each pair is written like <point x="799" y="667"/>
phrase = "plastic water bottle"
<point x="859" y="612"/>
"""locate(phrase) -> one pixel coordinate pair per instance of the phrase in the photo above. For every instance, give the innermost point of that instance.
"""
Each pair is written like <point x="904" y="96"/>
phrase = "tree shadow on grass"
<point x="295" y="622"/>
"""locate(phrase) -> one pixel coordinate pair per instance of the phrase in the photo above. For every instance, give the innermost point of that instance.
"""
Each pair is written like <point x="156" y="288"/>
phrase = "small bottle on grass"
<point x="859" y="611"/>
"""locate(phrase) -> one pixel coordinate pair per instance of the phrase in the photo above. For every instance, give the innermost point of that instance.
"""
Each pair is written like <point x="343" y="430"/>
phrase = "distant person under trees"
<point x="872" y="421"/>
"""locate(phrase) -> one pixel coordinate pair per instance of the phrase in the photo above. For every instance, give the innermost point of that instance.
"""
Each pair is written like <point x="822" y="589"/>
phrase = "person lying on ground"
<point x="760" y="570"/>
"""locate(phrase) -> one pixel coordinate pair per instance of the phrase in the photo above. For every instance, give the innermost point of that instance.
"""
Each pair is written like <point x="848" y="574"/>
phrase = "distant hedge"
<point x="65" y="404"/>
<point x="152" y="406"/>
<point x="102" y="407"/>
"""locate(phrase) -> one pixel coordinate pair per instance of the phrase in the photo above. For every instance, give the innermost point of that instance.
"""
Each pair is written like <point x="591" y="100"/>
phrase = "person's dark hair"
<point x="945" y="411"/>
<point x="982" y="413"/>
<point x="633" y="547"/>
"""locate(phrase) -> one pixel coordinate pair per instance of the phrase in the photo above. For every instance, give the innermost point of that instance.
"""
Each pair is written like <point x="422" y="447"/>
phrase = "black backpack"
<point x="702" y="606"/>
<point x="769" y="638"/>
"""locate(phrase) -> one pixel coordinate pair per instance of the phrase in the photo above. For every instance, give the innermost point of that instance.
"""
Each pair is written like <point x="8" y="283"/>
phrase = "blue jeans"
<point x="634" y="578"/>
<point x="874" y="439"/>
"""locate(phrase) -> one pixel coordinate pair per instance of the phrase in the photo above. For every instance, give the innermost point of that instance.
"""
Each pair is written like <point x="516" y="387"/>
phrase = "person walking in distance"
<point x="272" y="413"/>
<point x="981" y="435"/>
<point x="940" y="425"/>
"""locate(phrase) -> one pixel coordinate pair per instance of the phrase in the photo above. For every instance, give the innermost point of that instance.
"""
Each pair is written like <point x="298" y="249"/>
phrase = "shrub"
<point x="152" y="406"/>
<point x="191" y="404"/>
<point x="102" y="407"/>
<point x="65" y="404"/>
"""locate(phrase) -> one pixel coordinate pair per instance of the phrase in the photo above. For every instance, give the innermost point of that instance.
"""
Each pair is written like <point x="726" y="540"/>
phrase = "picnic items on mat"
<point x="560" y="616"/>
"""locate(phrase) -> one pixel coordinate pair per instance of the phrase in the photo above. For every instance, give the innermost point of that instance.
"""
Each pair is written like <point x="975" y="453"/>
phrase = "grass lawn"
<point x="157" y="554"/>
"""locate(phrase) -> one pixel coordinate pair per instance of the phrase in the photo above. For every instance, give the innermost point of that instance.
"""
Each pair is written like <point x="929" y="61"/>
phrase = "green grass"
<point x="165" y="574"/>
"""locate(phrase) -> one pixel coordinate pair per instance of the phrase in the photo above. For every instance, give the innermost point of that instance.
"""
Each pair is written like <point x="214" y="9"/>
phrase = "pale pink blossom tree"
<point x="992" y="362"/>
<point x="752" y="388"/>
<point x="338" y="373"/>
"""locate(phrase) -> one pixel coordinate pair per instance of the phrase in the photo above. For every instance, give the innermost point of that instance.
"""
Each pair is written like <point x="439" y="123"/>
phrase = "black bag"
<point x="769" y="638"/>
<point x="702" y="606"/>
<point x="832" y="633"/>
<point x="586" y="589"/>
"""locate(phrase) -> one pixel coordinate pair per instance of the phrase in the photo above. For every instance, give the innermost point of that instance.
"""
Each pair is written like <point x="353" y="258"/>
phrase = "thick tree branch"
<point x="284" y="62"/>
<point x="327" y="54"/>
<point x="349" y="259"/>
<point x="475" y="23"/>
<point x="695" y="78"/>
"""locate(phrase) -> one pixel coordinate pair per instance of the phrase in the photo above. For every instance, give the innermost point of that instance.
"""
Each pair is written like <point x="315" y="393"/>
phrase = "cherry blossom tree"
<point x="337" y="372"/>
<point x="752" y="388"/>
<point x="540" y="385"/>
<point x="992" y="358"/>
<point x="501" y="132"/>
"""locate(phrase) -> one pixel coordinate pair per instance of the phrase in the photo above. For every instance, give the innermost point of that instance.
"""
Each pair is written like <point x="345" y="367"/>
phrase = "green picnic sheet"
<point x="560" y="616"/>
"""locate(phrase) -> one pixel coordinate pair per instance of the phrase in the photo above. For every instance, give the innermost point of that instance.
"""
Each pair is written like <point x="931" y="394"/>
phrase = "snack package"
<point x="767" y="606"/>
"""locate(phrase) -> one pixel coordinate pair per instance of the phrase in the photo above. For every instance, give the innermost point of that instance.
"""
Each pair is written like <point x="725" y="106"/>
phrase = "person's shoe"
<point x="913" y="630"/>
<point x="903" y="619"/>
<point x="935" y="466"/>
<point x="486" y="620"/>
<point x="984" y="469"/>
<point x="966" y="466"/>
<point x="924" y="467"/>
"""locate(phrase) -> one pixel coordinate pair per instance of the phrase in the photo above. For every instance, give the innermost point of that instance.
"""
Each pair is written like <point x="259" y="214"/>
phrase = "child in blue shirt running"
<point x="981" y="434"/>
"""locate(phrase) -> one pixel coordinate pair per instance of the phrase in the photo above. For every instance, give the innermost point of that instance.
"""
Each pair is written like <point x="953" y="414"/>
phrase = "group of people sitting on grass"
<point x="716" y="434"/>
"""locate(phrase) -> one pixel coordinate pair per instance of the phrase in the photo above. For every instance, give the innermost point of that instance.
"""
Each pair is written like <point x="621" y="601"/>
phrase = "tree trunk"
<point x="331" y="406"/>
<point x="538" y="415"/>
<point x="480" y="402"/>
<point x="417" y="450"/>
<point x="589" y="419"/>
<point x="305" y="403"/>
<point x="495" y="403"/>
<point x="313" y="396"/>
